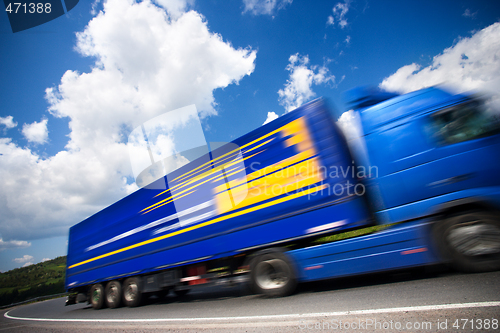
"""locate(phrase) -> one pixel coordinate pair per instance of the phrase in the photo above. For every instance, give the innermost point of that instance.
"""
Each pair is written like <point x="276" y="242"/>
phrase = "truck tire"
<point x="132" y="295"/>
<point x="97" y="296"/>
<point x="471" y="241"/>
<point x="272" y="274"/>
<point x="113" y="294"/>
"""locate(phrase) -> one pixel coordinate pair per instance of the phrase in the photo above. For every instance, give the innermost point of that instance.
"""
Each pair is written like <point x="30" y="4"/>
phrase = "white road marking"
<point x="285" y="316"/>
<point x="11" y="327"/>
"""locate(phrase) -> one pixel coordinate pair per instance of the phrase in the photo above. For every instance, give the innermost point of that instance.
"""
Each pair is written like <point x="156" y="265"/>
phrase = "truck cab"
<point x="437" y="155"/>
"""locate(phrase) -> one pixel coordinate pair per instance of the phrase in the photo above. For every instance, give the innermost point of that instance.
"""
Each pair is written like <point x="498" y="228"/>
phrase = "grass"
<point x="352" y="233"/>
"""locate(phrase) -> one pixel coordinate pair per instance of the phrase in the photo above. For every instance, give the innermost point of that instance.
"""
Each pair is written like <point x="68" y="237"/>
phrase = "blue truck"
<point x="425" y="164"/>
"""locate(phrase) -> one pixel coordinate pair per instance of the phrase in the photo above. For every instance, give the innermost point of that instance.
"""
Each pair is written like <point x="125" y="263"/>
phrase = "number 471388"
<point x="476" y="324"/>
<point x="31" y="8"/>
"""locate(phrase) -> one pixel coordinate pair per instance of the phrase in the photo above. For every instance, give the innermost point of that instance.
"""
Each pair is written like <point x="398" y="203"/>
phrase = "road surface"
<point x="389" y="302"/>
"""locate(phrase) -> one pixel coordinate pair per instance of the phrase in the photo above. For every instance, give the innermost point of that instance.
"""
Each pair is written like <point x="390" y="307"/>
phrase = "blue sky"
<point x="73" y="88"/>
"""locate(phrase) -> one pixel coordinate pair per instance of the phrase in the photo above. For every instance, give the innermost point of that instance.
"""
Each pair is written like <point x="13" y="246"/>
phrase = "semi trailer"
<point x="425" y="164"/>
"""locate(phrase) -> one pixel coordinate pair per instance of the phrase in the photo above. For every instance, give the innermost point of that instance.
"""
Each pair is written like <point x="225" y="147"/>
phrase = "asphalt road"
<point x="390" y="302"/>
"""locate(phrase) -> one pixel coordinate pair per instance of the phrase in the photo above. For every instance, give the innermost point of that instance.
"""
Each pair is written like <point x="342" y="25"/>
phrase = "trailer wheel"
<point x="131" y="294"/>
<point x="471" y="241"/>
<point x="272" y="274"/>
<point x="97" y="296"/>
<point x="113" y="294"/>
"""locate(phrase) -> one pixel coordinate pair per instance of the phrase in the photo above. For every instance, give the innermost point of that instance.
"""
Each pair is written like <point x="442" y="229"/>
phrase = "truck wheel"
<point x="97" y="296"/>
<point x="113" y="294"/>
<point x="131" y="294"/>
<point x="471" y="241"/>
<point x="272" y="274"/>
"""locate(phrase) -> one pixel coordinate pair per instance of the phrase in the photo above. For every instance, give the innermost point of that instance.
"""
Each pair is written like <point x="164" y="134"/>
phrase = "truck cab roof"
<point x="381" y="108"/>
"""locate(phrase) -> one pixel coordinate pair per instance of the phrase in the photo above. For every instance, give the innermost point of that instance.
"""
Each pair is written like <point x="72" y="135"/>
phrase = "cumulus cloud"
<point x="8" y="122"/>
<point x="270" y="117"/>
<point x="297" y="89"/>
<point x="45" y="259"/>
<point x="473" y="63"/>
<point x="36" y="132"/>
<point x="264" y="7"/>
<point x="146" y="63"/>
<point x="29" y="263"/>
<point x="13" y="244"/>
<point x="24" y="259"/>
<point x="339" y="14"/>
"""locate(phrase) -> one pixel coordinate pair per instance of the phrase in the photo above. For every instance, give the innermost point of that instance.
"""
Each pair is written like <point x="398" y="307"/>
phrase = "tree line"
<point x="45" y="278"/>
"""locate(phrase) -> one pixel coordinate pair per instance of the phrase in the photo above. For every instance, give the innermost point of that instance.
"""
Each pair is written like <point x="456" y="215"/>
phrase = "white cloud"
<point x="175" y="7"/>
<point x="298" y="90"/>
<point x="339" y="14"/>
<point x="29" y="263"/>
<point x="471" y="64"/>
<point x="468" y="13"/>
<point x="93" y="11"/>
<point x="264" y="7"/>
<point x="36" y="132"/>
<point x="45" y="259"/>
<point x="8" y="122"/>
<point x="25" y="259"/>
<point x="270" y="117"/>
<point x="350" y="123"/>
<point x="13" y="244"/>
<point x="146" y="63"/>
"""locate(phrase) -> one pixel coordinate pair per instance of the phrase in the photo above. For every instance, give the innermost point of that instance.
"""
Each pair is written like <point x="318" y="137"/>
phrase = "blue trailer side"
<point x="271" y="186"/>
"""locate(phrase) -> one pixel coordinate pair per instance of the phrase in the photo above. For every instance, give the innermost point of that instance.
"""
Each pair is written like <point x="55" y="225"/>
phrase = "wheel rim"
<point x="475" y="239"/>
<point x="96" y="295"/>
<point x="131" y="292"/>
<point x="272" y="274"/>
<point x="112" y="293"/>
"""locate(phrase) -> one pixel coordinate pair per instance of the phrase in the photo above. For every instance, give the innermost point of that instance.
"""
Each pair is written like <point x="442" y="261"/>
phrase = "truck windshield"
<point x="464" y="122"/>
